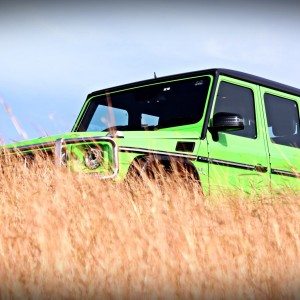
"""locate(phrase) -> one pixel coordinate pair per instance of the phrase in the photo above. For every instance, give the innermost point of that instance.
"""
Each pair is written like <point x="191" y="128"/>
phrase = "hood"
<point x="161" y="134"/>
<point x="53" y="138"/>
<point x="148" y="139"/>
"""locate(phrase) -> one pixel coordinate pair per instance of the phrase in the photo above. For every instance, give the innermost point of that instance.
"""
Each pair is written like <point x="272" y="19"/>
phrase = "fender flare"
<point x="142" y="162"/>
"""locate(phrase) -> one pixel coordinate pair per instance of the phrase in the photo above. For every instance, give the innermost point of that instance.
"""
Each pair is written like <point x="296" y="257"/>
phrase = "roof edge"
<point x="214" y="71"/>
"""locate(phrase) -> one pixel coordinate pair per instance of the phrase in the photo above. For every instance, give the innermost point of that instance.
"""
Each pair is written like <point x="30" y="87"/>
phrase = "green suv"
<point x="226" y="128"/>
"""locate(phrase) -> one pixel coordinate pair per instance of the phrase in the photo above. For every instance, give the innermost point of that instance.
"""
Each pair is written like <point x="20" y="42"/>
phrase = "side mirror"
<point x="224" y="122"/>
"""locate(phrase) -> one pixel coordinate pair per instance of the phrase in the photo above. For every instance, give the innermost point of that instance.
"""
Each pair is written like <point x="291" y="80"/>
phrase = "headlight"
<point x="93" y="158"/>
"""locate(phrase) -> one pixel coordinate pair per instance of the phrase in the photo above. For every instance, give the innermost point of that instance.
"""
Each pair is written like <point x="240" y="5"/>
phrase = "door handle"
<point x="260" y="168"/>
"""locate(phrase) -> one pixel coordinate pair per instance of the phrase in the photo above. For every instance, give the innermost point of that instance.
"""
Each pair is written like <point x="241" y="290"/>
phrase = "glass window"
<point x="149" y="120"/>
<point x="238" y="100"/>
<point x="283" y="120"/>
<point x="152" y="107"/>
<point x="106" y="116"/>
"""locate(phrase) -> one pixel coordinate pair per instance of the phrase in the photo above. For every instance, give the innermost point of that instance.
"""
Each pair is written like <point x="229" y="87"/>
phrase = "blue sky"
<point x="53" y="53"/>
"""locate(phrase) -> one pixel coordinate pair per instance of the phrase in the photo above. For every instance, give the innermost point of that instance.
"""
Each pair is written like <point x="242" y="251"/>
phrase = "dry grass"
<point x="73" y="236"/>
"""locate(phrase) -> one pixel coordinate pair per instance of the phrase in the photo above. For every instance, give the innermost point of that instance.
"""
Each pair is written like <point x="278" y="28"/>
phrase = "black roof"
<point x="216" y="71"/>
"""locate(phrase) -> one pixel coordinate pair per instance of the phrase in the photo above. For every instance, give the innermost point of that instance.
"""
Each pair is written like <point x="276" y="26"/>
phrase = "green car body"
<point x="230" y="129"/>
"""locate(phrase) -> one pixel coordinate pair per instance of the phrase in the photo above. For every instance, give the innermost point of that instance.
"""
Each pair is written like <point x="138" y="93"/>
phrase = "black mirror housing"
<point x="224" y="121"/>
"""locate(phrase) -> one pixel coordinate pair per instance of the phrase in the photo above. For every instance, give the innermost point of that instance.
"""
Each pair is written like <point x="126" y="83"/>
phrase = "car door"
<point x="238" y="159"/>
<point x="283" y="136"/>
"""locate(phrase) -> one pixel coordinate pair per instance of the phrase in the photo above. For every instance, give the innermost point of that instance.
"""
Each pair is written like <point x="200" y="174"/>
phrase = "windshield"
<point x="152" y="107"/>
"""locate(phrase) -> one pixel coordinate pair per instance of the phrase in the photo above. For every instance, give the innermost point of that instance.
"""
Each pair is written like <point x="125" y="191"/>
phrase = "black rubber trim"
<point x="41" y="146"/>
<point x="203" y="159"/>
<point x="285" y="173"/>
<point x="156" y="152"/>
<point x="46" y="146"/>
<point x="209" y="106"/>
<point x="220" y="71"/>
<point x="226" y="163"/>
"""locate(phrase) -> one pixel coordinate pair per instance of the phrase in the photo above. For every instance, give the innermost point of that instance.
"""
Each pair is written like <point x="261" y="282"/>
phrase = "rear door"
<point x="239" y="159"/>
<point x="283" y="137"/>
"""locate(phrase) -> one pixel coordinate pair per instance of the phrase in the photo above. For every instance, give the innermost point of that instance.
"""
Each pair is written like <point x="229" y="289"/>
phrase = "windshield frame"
<point x="108" y="92"/>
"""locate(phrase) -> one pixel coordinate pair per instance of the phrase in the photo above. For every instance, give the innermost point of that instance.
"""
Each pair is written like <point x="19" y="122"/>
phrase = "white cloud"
<point x="54" y="58"/>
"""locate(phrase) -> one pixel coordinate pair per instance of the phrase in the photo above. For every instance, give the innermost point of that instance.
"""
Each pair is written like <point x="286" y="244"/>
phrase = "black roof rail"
<point x="221" y="71"/>
<point x="260" y="81"/>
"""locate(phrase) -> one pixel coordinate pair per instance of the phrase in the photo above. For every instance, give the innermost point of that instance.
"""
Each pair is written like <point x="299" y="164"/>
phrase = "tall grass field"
<point x="74" y="236"/>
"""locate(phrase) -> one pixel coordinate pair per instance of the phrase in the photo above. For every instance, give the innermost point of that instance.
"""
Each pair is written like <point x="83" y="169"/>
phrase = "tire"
<point x="162" y="168"/>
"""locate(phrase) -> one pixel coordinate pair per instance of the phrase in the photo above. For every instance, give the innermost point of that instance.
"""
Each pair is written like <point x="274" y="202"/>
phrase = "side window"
<point x="283" y="120"/>
<point x="240" y="100"/>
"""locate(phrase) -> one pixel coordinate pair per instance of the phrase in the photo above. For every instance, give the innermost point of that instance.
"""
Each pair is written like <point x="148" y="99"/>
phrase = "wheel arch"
<point x="142" y="162"/>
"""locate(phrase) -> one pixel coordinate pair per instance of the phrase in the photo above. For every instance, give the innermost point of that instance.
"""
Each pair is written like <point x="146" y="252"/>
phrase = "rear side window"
<point x="283" y="120"/>
<point x="236" y="99"/>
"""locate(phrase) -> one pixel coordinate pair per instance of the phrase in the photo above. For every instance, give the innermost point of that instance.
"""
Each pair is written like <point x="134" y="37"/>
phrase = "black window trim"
<point x="227" y="80"/>
<point x="286" y="97"/>
<point x="146" y="83"/>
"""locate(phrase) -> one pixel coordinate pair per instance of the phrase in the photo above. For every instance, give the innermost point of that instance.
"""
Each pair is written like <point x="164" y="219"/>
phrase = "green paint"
<point x="226" y="163"/>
